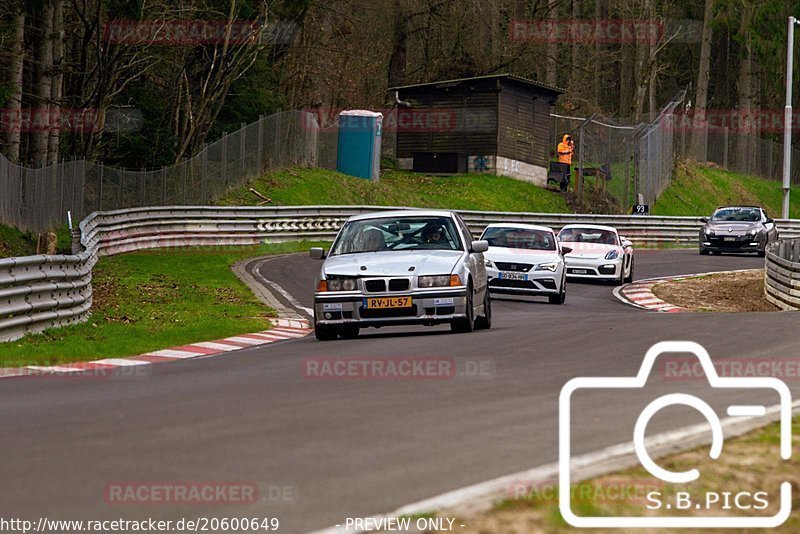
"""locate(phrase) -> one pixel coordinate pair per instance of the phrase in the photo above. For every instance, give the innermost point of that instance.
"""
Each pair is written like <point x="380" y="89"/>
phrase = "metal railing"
<point x="782" y="274"/>
<point x="40" y="292"/>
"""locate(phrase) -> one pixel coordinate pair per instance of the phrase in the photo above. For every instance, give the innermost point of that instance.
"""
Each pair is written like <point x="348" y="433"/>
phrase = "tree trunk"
<point x="552" y="50"/>
<point x="58" y="81"/>
<point x="745" y="88"/>
<point x="626" y="81"/>
<point x="40" y="134"/>
<point x="15" y="76"/>
<point x="700" y="133"/>
<point x="397" y="61"/>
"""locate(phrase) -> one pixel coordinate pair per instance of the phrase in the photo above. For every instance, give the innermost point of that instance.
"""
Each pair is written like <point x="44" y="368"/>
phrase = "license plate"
<point x="513" y="276"/>
<point x="579" y="271"/>
<point x="730" y="239"/>
<point x="388" y="302"/>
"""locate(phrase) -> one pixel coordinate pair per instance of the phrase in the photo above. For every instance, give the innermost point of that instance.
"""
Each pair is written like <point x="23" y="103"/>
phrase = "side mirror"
<point x="770" y="221"/>
<point x="317" y="253"/>
<point x="566" y="250"/>
<point x="626" y="243"/>
<point x="704" y="220"/>
<point x="480" y="246"/>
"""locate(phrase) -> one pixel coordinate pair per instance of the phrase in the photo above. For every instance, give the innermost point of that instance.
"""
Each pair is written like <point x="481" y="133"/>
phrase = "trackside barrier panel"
<point x="782" y="274"/>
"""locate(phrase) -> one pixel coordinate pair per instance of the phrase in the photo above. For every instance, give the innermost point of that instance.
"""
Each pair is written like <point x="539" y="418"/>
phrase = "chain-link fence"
<point x="733" y="147"/>
<point x="39" y="199"/>
<point x="632" y="162"/>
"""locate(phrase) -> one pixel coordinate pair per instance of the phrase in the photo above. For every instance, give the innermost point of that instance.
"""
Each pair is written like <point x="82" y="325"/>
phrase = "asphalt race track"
<point x="356" y="448"/>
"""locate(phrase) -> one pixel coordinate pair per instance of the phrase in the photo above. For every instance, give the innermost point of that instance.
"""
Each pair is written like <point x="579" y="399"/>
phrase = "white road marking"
<point x="172" y="353"/>
<point x="217" y="346"/>
<point x="122" y="362"/>
<point x="245" y="340"/>
<point x="279" y="289"/>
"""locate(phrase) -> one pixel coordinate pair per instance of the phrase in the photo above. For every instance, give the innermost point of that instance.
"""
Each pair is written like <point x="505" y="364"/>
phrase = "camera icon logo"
<point x="640" y="448"/>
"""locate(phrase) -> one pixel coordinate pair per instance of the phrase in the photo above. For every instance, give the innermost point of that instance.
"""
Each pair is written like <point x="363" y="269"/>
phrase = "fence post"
<point x="164" y="186"/>
<point x="261" y="144"/>
<point x="725" y="147"/>
<point x="242" y="143"/>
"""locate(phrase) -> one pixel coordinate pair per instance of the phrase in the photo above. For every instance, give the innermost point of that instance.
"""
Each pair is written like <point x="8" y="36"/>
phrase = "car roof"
<point x="590" y="227"/>
<point x="738" y="208"/>
<point x="520" y="226"/>
<point x="401" y="213"/>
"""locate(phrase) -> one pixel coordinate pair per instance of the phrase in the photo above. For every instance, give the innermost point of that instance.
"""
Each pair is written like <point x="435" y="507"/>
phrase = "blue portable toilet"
<point x="360" y="143"/>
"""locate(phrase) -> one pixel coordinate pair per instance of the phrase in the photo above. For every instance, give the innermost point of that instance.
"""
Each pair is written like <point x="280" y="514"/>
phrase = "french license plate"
<point x="513" y="276"/>
<point x="579" y="271"/>
<point x="388" y="302"/>
<point x="730" y="239"/>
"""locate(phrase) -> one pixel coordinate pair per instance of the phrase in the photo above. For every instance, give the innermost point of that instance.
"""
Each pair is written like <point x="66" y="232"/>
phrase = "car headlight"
<point x="434" y="281"/>
<point x="612" y="255"/>
<point x="547" y="267"/>
<point x="754" y="231"/>
<point x="710" y="231"/>
<point x="341" y="284"/>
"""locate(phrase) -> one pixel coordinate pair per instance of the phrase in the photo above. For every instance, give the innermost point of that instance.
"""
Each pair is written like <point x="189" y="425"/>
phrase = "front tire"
<point x="324" y="332"/>
<point x="561" y="297"/>
<point x="466" y="325"/>
<point x="348" y="331"/>
<point x="485" y="322"/>
<point x="629" y="278"/>
<point x="703" y="252"/>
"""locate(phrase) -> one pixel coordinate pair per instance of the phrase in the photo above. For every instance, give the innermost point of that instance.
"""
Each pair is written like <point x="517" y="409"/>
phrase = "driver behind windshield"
<point x="432" y="233"/>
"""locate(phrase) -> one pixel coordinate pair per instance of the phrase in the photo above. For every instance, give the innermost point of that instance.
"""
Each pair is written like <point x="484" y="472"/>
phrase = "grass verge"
<point x="749" y="463"/>
<point x="154" y="300"/>
<point x="699" y="190"/>
<point x="725" y="292"/>
<point x="300" y="186"/>
<point x="16" y="243"/>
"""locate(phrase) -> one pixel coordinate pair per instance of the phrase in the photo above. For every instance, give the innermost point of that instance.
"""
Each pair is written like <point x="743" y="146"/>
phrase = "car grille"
<point x="607" y="270"/>
<point x="517" y="267"/>
<point x="398" y="284"/>
<point x="740" y="241"/>
<point x="382" y="313"/>
<point x="548" y="283"/>
<point x="375" y="286"/>
<point x="379" y="286"/>
<point x="517" y="284"/>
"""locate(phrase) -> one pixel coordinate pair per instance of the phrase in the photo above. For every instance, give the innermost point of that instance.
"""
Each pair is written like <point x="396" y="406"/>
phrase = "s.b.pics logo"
<point x="687" y="498"/>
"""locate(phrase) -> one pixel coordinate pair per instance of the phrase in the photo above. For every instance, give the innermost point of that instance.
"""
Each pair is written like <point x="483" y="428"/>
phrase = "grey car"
<point x="401" y="268"/>
<point x="737" y="229"/>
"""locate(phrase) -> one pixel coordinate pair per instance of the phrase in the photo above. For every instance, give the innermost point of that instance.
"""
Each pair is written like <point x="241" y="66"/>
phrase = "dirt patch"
<point x="741" y="291"/>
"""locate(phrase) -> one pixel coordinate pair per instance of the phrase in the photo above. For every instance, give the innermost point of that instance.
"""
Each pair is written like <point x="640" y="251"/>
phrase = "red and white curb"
<point x="284" y="329"/>
<point x="640" y="295"/>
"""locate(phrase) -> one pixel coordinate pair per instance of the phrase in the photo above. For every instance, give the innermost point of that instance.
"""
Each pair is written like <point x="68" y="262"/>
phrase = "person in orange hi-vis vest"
<point x="565" y="150"/>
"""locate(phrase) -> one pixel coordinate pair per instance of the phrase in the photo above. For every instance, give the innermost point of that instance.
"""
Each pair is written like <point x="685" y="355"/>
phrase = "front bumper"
<point x="723" y="243"/>
<point x="535" y="283"/>
<point x="435" y="306"/>
<point x="594" y="268"/>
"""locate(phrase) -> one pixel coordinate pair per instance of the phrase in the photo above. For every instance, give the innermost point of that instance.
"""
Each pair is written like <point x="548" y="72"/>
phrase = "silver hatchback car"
<point x="400" y="268"/>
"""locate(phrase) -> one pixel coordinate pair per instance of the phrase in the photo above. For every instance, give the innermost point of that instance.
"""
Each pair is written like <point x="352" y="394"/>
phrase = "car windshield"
<point x="588" y="235"/>
<point x="520" y="238"/>
<point x="397" y="233"/>
<point x="737" y="215"/>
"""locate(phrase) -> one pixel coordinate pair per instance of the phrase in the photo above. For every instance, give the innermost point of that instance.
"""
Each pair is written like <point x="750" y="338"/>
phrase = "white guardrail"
<point x="40" y="292"/>
<point x="782" y="274"/>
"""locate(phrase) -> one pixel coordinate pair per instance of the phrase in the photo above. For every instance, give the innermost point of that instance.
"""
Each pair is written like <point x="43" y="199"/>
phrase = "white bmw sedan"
<point x="598" y="253"/>
<point x="524" y="259"/>
<point x="401" y="268"/>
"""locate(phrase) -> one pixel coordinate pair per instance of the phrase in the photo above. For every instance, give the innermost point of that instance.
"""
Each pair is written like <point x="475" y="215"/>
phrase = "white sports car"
<point x="598" y="253"/>
<point x="524" y="259"/>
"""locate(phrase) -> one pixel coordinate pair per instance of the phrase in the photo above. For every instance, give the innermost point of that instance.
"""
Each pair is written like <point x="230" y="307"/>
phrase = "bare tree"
<point x="703" y="76"/>
<point x="40" y="134"/>
<point x="16" y="67"/>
